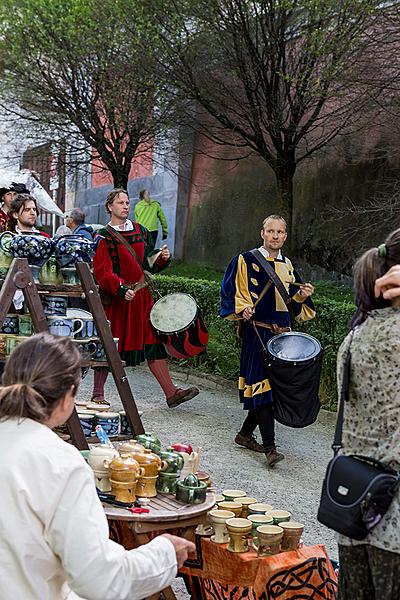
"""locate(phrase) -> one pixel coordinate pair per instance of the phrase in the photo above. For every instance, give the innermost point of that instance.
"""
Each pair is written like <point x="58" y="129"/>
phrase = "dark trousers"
<point x="262" y="416"/>
<point x="153" y="238"/>
<point x="368" y="573"/>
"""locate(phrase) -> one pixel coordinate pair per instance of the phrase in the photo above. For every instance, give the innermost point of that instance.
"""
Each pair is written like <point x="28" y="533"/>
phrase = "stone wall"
<point x="229" y="201"/>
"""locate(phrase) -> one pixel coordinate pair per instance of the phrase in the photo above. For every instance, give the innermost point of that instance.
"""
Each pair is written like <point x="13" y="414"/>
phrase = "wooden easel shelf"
<point x="19" y="277"/>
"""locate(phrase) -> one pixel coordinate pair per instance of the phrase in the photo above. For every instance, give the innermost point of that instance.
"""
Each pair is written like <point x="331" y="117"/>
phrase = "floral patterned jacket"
<point x="371" y="423"/>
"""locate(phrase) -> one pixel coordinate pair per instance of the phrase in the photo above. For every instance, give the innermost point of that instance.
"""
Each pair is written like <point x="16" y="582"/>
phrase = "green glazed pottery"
<point x="191" y="490"/>
<point x="149" y="441"/>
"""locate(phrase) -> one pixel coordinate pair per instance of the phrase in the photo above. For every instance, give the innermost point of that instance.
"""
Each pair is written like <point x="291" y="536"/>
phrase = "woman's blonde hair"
<point x="37" y="375"/>
<point x="374" y="263"/>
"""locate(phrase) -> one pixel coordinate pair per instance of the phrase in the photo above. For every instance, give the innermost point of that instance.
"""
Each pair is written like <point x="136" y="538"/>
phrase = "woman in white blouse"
<point x="53" y="531"/>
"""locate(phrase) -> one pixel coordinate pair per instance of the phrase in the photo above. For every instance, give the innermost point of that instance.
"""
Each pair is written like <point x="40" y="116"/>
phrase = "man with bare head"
<point x="262" y="315"/>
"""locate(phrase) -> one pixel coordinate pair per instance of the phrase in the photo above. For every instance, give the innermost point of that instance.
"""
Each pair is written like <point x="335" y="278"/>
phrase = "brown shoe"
<point x="249" y="442"/>
<point x="273" y="457"/>
<point x="181" y="396"/>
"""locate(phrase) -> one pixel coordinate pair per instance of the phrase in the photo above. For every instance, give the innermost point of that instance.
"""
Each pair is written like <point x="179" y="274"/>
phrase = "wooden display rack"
<point x="19" y="277"/>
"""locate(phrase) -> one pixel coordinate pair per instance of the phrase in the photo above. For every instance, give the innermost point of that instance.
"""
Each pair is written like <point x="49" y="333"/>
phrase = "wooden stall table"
<point x="166" y="515"/>
<point x="218" y="574"/>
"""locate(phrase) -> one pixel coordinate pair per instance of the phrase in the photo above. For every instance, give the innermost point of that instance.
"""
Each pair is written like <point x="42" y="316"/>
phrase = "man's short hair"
<point x="19" y="202"/>
<point x="142" y="193"/>
<point x="77" y="215"/>
<point x="112" y="195"/>
<point x="276" y="218"/>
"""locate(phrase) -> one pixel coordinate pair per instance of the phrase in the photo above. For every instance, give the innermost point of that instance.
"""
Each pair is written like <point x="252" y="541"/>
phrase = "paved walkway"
<point x="211" y="420"/>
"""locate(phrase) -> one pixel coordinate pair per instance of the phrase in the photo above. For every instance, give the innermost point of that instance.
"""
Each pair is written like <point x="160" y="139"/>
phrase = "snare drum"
<point x="177" y="320"/>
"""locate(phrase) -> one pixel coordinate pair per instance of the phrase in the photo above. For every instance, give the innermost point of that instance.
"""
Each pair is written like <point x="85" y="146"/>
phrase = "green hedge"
<point x="223" y="350"/>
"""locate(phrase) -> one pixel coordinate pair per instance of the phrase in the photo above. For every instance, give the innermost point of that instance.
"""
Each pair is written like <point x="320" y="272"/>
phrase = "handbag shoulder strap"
<point x="344" y="396"/>
<point x="275" y="280"/>
<point x="114" y="233"/>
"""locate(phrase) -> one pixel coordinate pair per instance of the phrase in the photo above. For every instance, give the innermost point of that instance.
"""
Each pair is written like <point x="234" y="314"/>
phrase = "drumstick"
<point x="296" y="283"/>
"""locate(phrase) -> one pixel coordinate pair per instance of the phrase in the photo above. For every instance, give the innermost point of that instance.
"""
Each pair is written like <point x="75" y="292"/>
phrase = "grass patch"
<point x="334" y="306"/>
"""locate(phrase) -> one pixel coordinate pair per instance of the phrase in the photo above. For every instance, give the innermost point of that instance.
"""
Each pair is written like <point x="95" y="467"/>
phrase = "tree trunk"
<point x="120" y="178"/>
<point x="284" y="174"/>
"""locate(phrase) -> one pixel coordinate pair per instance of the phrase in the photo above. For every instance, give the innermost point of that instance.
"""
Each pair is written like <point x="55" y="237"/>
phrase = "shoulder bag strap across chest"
<point x="115" y="234"/>
<point x="270" y="271"/>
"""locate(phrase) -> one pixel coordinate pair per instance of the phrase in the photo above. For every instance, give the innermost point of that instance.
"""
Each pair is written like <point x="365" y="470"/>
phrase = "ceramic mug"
<point x="258" y="520"/>
<point x="218" y="520"/>
<point x="268" y="540"/>
<point x="63" y="326"/>
<point x="87" y="423"/>
<point x="166" y="483"/>
<point x="12" y="342"/>
<point x="55" y="306"/>
<point x="231" y="495"/>
<point x="100" y="354"/>
<point x="125" y="425"/>
<point x="25" y="324"/>
<point x="235" y="507"/>
<point x="109" y="422"/>
<point x="292" y="532"/>
<point x="279" y="516"/>
<point x="3" y="345"/>
<point x="260" y="508"/>
<point x="10" y="325"/>
<point x="86" y="347"/>
<point x="70" y="276"/>
<point x="245" y="502"/>
<point x="238" y="530"/>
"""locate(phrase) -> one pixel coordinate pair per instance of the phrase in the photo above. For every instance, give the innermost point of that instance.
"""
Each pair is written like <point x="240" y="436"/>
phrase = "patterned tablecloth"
<point x="217" y="574"/>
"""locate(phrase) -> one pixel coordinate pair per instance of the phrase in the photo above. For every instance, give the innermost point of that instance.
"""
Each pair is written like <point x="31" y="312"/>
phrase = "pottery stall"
<point x="38" y="276"/>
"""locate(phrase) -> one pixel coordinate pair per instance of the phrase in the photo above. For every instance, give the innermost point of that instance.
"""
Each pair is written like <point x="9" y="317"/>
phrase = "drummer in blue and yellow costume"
<point x="242" y="285"/>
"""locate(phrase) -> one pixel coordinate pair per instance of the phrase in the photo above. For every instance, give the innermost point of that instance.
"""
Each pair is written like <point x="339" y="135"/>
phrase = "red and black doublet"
<point x="114" y="268"/>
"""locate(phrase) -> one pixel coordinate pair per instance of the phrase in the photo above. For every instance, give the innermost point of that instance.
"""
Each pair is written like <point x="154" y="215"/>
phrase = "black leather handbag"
<point x="357" y="490"/>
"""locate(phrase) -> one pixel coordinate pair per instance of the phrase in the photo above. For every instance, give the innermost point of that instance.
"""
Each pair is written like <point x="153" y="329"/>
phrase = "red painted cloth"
<point x="217" y="574"/>
<point x="130" y="321"/>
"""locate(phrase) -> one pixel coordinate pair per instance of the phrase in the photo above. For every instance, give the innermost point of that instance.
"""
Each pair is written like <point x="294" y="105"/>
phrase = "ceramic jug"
<point x="189" y="462"/>
<point x="124" y="474"/>
<point x="70" y="249"/>
<point x="32" y="246"/>
<point x="149" y="441"/>
<point x="98" y="456"/>
<point x="173" y="461"/>
<point x="50" y="272"/>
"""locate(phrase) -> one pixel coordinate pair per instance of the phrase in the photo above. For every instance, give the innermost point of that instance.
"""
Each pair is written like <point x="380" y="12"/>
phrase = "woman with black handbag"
<point x="370" y="567"/>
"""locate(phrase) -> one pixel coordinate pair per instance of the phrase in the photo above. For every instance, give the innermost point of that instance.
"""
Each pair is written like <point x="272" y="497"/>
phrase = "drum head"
<point x="294" y="346"/>
<point x="173" y="313"/>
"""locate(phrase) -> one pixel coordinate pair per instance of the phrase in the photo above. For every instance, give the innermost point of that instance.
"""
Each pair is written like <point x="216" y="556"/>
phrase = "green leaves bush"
<point x="334" y="310"/>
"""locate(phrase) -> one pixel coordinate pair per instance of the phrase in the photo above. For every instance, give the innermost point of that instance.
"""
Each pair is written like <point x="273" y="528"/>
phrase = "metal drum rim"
<point x="175" y="331"/>
<point x="298" y="334"/>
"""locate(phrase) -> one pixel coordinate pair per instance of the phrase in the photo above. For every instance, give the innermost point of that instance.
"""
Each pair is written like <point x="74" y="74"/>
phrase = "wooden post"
<point x="113" y="357"/>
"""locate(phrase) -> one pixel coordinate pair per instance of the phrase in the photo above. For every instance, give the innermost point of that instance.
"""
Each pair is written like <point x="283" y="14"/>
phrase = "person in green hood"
<point x="148" y="212"/>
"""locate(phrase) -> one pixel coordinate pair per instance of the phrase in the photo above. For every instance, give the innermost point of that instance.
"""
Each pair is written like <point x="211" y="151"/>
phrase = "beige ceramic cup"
<point x="268" y="540"/>
<point x="235" y="507"/>
<point x="219" y="498"/>
<point x="238" y="530"/>
<point x="279" y="516"/>
<point x="218" y="520"/>
<point x="260" y="508"/>
<point x="292" y="532"/>
<point x="258" y="520"/>
<point x="245" y="502"/>
<point x="230" y="495"/>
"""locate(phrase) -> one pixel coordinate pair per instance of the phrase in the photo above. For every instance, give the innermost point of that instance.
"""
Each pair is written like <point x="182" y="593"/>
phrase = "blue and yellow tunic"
<point x="242" y="284"/>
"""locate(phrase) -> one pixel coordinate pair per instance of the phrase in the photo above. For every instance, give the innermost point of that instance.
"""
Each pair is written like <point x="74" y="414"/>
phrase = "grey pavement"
<point x="211" y="421"/>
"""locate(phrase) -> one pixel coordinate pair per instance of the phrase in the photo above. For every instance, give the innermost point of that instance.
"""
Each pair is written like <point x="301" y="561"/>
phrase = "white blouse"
<point x="53" y="530"/>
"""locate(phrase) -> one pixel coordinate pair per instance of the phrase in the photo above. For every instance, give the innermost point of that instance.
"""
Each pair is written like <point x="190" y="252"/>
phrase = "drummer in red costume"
<point x="116" y="270"/>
